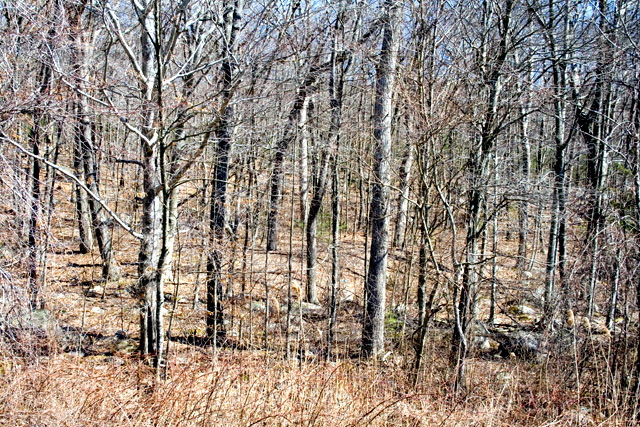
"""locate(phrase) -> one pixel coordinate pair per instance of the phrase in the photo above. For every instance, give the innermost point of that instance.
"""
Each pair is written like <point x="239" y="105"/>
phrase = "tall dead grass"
<point x="240" y="389"/>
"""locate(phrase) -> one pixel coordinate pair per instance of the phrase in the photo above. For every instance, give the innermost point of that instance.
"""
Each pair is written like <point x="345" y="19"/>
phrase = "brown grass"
<point x="243" y="389"/>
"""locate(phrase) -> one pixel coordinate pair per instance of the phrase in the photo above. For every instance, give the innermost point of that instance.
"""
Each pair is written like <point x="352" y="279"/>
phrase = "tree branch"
<point x="64" y="171"/>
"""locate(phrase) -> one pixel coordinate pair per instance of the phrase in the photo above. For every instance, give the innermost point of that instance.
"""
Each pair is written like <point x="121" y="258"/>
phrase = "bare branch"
<point x="66" y="172"/>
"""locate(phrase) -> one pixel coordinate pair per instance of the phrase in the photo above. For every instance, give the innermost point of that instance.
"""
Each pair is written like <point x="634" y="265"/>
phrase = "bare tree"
<point x="296" y="120"/>
<point x="156" y="47"/>
<point x="224" y="135"/>
<point x="84" y="144"/>
<point x="491" y="67"/>
<point x="376" y="281"/>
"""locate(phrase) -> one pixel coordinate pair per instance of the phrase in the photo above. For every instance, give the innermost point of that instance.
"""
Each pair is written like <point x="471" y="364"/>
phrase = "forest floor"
<point x="92" y="376"/>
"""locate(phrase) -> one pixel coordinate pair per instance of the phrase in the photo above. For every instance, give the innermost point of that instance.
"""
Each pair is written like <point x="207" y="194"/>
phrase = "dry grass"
<point x="257" y="388"/>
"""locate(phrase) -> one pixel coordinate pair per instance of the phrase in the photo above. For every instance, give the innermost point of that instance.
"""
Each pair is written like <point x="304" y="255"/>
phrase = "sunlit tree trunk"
<point x="297" y="114"/>
<point x="403" y="196"/>
<point x="376" y="279"/>
<point x="150" y="280"/>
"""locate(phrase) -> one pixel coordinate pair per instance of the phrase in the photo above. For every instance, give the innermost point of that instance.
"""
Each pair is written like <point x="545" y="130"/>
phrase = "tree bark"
<point x="298" y="111"/>
<point x="36" y="134"/>
<point x="82" y="202"/>
<point x="319" y="189"/>
<point x="336" y="90"/>
<point x="403" y="198"/>
<point x="224" y="136"/>
<point x="376" y="282"/>
<point x="34" y="227"/>
<point x="525" y="165"/>
<point x="150" y="282"/>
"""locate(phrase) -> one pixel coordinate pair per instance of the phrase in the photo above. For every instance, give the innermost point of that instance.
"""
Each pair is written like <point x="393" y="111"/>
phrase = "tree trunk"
<point x="335" y="261"/>
<point x="375" y="287"/>
<point x="403" y="198"/>
<point x="84" y="142"/>
<point x="224" y="135"/>
<point x="494" y="244"/>
<point x="593" y="126"/>
<point x="319" y="188"/>
<point x="150" y="277"/>
<point x="424" y="305"/>
<point x="613" y="295"/>
<point x="304" y="162"/>
<point x="34" y="236"/>
<point x="34" y="227"/>
<point x="298" y="112"/>
<point x="101" y="223"/>
<point x="81" y="201"/>
<point x="478" y="166"/>
<point x="556" y="230"/>
<point x="150" y="282"/>
<point x="336" y="90"/>
<point x="525" y="164"/>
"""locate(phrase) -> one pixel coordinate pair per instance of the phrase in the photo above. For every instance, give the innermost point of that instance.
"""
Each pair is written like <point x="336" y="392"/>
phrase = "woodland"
<point x="331" y="212"/>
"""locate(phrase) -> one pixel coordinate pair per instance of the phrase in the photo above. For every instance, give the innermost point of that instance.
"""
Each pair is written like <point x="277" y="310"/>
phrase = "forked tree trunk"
<point x="295" y="122"/>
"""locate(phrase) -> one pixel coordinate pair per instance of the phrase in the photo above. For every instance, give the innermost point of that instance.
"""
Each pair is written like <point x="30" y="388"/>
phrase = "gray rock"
<point x="37" y="319"/>
<point x="95" y="291"/>
<point x="522" y="344"/>
<point x="522" y="310"/>
<point x="306" y="307"/>
<point x="480" y="342"/>
<point x="31" y="333"/>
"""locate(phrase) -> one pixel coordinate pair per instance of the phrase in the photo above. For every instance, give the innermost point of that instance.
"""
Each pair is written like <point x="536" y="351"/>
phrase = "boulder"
<point x="119" y="343"/>
<point x="36" y="320"/>
<point x="522" y="309"/>
<point x="33" y="332"/>
<point x="260" y="306"/>
<point x="521" y="344"/>
<point x="306" y="307"/>
<point x="95" y="291"/>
